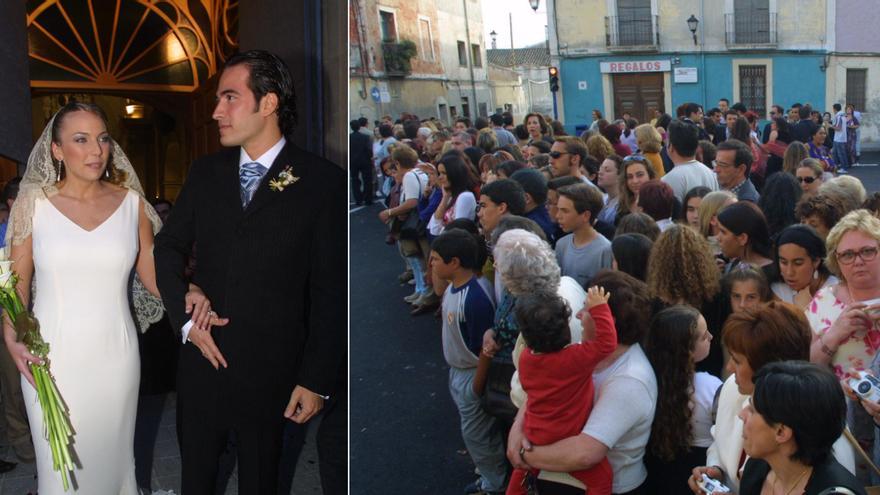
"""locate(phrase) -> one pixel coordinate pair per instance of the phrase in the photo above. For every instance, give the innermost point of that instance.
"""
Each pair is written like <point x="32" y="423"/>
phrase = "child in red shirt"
<point x="557" y="375"/>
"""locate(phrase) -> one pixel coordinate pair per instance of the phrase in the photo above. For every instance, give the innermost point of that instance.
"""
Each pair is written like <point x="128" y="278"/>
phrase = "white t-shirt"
<point x="686" y="176"/>
<point x="705" y="386"/>
<point x="840" y="127"/>
<point x="414" y="182"/>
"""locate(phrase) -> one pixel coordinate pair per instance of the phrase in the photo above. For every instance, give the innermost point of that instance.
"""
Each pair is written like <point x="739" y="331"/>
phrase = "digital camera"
<point x="710" y="485"/>
<point x="865" y="386"/>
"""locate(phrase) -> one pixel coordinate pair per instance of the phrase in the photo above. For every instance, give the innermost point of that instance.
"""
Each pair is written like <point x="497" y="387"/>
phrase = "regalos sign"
<point x="635" y="66"/>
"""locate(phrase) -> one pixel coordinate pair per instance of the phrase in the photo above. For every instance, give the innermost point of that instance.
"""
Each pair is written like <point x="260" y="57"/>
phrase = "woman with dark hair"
<point x="657" y="200"/>
<point x="634" y="172"/>
<point x="458" y="201"/>
<point x="778" y="198"/>
<point x="630" y="253"/>
<point x="690" y="213"/>
<point x="819" y="151"/>
<point x="505" y="169"/>
<point x="776" y="144"/>
<point x="770" y="333"/>
<point x="628" y="136"/>
<point x="662" y="124"/>
<point x="743" y="235"/>
<point x="852" y="125"/>
<point x="799" y="270"/>
<point x="474" y="154"/>
<point x="537" y="128"/>
<point x="796" y="414"/>
<point x="620" y="422"/>
<point x="612" y="134"/>
<point x="536" y="148"/>
<point x="638" y="223"/>
<point x="680" y="434"/>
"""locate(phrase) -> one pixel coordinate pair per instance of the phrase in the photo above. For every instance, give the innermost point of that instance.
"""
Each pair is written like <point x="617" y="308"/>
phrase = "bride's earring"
<point x="60" y="169"/>
<point x="107" y="171"/>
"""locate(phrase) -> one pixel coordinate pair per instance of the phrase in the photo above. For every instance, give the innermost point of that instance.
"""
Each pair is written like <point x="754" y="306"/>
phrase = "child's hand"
<point x="490" y="347"/>
<point x="596" y="296"/>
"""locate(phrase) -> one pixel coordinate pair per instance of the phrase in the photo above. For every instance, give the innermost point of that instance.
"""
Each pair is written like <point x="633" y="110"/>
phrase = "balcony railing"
<point x="632" y="34"/>
<point x="397" y="59"/>
<point x="752" y="30"/>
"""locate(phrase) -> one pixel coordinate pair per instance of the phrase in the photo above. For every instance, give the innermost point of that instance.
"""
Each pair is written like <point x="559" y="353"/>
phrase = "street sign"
<point x="375" y="94"/>
<point x="685" y="75"/>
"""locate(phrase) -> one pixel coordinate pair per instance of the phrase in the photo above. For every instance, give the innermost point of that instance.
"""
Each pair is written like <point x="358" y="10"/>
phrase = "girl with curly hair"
<point x="677" y="340"/>
<point x="682" y="270"/>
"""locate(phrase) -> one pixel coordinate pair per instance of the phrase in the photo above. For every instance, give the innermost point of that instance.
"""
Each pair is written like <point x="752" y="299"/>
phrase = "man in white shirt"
<point x="687" y="173"/>
<point x="838" y="151"/>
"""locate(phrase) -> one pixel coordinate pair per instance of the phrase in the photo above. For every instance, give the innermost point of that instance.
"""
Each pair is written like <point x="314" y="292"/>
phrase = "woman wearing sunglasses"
<point x="809" y="175"/>
<point x="844" y="316"/>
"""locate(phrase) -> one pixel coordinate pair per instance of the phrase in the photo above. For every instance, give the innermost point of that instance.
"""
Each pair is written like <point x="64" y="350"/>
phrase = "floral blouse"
<point x="857" y="352"/>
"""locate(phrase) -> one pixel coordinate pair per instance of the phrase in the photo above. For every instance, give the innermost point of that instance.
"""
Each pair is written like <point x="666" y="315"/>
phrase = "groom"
<point x="269" y="221"/>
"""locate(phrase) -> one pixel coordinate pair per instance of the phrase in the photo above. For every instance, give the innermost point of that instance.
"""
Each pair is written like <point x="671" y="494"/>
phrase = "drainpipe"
<point x="469" y="50"/>
<point x="362" y="33"/>
<point x="703" y="49"/>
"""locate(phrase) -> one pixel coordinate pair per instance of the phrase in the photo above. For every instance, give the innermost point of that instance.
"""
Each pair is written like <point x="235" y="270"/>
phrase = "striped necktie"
<point x="249" y="175"/>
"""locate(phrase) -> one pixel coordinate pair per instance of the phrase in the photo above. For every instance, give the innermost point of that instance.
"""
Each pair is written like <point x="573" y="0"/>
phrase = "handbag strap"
<point x="852" y="440"/>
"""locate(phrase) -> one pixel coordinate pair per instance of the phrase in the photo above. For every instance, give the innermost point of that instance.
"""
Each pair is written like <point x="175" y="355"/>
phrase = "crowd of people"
<point x="647" y="303"/>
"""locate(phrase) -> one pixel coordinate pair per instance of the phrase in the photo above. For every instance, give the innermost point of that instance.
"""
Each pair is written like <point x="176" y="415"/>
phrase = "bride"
<point x="78" y="228"/>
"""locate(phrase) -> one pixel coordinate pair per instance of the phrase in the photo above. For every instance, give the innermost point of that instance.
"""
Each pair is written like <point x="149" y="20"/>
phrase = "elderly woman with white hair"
<point x="524" y="263"/>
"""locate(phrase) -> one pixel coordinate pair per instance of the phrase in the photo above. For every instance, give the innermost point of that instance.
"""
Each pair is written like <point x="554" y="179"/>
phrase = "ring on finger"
<point x="212" y="313"/>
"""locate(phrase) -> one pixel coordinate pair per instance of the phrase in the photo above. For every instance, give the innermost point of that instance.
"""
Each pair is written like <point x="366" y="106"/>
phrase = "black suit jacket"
<point x="360" y="149"/>
<point x="802" y="131"/>
<point x="277" y="270"/>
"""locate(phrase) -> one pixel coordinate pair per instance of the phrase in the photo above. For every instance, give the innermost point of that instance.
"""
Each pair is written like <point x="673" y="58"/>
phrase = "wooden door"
<point x="637" y="94"/>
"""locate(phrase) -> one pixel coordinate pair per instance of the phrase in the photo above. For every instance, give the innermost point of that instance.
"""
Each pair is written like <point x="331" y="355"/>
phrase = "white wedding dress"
<point x="82" y="305"/>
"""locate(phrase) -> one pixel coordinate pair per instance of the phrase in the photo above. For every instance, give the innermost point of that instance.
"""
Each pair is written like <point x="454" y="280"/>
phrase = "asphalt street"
<point x="405" y="435"/>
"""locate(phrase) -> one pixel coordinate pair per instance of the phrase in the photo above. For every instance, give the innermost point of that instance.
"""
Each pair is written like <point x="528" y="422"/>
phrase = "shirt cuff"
<point x="185" y="330"/>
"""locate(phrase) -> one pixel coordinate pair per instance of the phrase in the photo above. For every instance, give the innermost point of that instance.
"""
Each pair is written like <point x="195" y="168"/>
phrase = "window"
<point x="465" y="107"/>
<point x="462" y="54"/>
<point x="753" y="88"/>
<point x="855" y="87"/>
<point x="751" y="21"/>
<point x="388" y="26"/>
<point x="634" y="22"/>
<point x="426" y="40"/>
<point x="484" y="109"/>
<point x="475" y="55"/>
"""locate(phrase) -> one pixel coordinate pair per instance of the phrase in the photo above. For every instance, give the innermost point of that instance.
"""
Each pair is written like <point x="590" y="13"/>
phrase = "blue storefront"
<point x="770" y="78"/>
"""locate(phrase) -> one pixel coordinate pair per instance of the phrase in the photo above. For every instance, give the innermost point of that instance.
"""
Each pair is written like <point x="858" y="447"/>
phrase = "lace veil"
<point x="39" y="181"/>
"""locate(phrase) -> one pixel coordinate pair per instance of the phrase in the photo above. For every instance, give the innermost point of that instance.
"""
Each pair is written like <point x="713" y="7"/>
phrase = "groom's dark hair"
<point x="269" y="74"/>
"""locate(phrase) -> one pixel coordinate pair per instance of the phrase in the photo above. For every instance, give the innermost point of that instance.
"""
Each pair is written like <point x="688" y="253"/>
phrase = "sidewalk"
<point x="157" y="456"/>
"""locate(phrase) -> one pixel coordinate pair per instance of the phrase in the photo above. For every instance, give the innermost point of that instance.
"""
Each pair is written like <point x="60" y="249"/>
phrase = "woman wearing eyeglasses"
<point x="844" y="316"/>
<point x="809" y="175"/>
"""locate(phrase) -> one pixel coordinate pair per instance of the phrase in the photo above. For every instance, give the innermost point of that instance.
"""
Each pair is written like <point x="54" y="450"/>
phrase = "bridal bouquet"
<point x="56" y="418"/>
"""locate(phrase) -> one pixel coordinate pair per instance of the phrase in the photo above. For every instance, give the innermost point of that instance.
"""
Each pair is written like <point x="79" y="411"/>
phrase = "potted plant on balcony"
<point x="397" y="57"/>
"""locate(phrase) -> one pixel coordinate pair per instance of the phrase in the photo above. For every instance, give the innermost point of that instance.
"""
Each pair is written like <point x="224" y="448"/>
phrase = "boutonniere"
<point x="285" y="178"/>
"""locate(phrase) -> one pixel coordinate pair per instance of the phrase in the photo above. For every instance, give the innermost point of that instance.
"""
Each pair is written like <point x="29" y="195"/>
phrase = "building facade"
<point x="637" y="56"/>
<point x="853" y="64"/>
<point x="530" y="91"/>
<point x="426" y="58"/>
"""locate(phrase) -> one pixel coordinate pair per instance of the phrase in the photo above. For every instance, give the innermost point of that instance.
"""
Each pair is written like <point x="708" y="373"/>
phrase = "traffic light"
<point x="554" y="79"/>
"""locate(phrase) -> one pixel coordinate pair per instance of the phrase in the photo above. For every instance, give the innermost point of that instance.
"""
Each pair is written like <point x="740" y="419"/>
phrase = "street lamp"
<point x="534" y="4"/>
<point x="494" y="35"/>
<point x="692" y="25"/>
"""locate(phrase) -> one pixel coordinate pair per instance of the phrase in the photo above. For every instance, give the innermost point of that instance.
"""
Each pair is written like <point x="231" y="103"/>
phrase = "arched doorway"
<point x="155" y="57"/>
